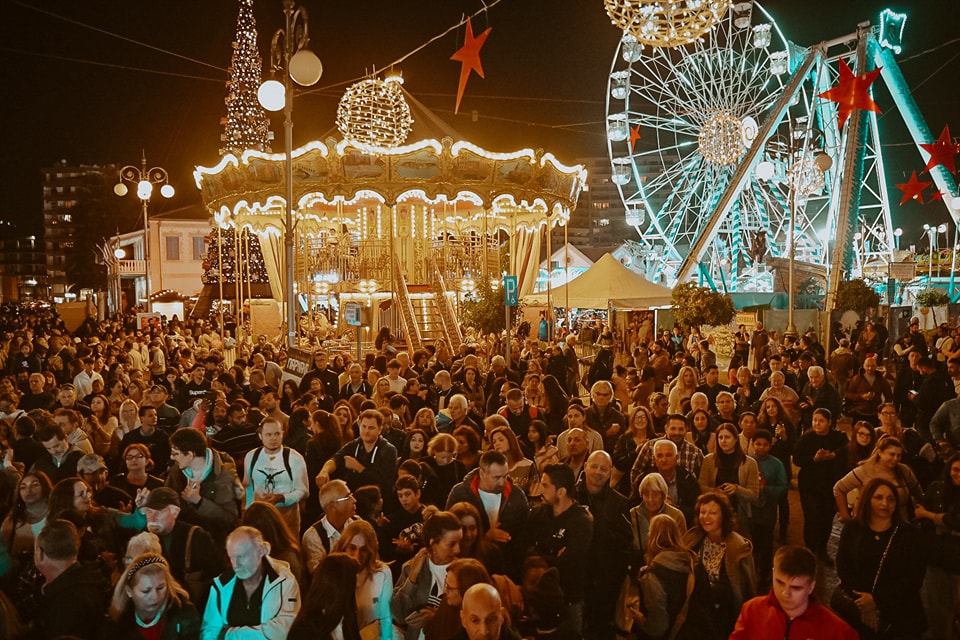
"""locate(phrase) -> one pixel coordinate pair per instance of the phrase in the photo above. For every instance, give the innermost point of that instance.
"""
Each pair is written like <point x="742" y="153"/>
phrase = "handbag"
<point x="868" y="623"/>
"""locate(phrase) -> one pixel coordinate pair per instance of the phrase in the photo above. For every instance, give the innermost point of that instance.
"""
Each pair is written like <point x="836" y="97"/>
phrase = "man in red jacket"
<point x="790" y="610"/>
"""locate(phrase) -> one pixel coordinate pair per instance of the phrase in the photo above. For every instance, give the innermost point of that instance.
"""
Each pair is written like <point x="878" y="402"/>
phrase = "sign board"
<point x="747" y="318"/>
<point x="903" y="270"/>
<point x="298" y="364"/>
<point x="510" y="292"/>
<point x="352" y="314"/>
<point x="147" y="320"/>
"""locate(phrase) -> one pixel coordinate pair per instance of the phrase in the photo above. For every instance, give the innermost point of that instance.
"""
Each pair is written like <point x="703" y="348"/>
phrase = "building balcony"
<point x="132" y="267"/>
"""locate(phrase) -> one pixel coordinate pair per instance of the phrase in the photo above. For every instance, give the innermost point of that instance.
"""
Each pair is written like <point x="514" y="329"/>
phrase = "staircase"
<point x="411" y="329"/>
<point x="448" y="319"/>
<point x="429" y="320"/>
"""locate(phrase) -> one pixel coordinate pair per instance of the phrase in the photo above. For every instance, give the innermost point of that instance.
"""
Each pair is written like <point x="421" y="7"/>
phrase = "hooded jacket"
<point x="278" y="606"/>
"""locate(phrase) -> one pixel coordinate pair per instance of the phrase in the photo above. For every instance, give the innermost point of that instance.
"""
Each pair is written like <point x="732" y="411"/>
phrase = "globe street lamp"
<point x="290" y="58"/>
<point x="145" y="179"/>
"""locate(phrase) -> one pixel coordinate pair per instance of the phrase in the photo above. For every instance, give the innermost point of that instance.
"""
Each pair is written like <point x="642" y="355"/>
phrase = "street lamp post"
<point x="145" y="179"/>
<point x="290" y="58"/>
<point x="931" y="240"/>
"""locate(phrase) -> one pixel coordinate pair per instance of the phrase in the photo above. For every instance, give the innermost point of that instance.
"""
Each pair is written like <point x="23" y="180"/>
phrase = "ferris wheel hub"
<point x="721" y="139"/>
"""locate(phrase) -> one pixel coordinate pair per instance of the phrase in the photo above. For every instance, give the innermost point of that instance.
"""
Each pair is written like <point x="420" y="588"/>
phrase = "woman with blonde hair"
<point x="660" y="602"/>
<point x="374" y="580"/>
<point x="129" y="420"/>
<point x="442" y="459"/>
<point x="146" y="597"/>
<point x="684" y="387"/>
<point x="426" y="419"/>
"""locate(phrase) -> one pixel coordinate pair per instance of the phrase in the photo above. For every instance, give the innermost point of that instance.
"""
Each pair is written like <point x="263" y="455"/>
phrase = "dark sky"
<point x="74" y="90"/>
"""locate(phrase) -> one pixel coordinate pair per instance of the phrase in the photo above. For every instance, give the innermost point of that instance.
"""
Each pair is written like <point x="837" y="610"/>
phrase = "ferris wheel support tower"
<point x="861" y="163"/>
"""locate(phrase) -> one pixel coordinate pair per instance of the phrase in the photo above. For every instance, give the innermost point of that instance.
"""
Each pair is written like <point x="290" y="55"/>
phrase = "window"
<point x="173" y="247"/>
<point x="199" y="248"/>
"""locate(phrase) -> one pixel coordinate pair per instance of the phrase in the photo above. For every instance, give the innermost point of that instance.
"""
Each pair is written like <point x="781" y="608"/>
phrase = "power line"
<point x="114" y="35"/>
<point x="109" y="65"/>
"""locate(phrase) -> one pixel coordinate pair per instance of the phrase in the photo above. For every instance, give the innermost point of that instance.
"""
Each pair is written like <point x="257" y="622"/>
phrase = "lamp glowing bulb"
<point x="272" y="95"/>
<point x="144" y="189"/>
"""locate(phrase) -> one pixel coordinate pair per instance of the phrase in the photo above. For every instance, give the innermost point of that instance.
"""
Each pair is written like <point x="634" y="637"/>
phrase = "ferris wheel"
<point x="679" y="120"/>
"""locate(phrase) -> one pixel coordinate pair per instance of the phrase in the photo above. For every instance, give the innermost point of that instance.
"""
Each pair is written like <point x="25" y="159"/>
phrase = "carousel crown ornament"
<point x="375" y="112"/>
<point x="666" y="23"/>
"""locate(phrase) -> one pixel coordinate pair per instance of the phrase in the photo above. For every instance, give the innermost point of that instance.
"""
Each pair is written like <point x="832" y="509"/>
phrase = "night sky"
<point x="80" y="84"/>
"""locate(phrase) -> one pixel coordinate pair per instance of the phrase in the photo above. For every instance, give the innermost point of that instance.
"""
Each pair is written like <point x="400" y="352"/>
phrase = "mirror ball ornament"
<point x="721" y="139"/>
<point x="374" y="112"/>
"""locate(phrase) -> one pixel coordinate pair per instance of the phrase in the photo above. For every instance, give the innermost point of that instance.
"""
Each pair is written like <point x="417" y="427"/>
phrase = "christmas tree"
<point x="246" y="125"/>
<point x="252" y="269"/>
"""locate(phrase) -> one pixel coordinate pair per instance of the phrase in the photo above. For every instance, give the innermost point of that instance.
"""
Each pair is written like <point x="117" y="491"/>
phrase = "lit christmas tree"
<point x="246" y="125"/>
<point x="253" y="271"/>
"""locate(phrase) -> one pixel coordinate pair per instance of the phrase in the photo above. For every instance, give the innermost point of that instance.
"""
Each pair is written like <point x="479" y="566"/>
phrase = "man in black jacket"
<point x="74" y="595"/>
<point x="936" y="387"/>
<point x="561" y="530"/>
<point x="491" y="482"/>
<point x="609" y="548"/>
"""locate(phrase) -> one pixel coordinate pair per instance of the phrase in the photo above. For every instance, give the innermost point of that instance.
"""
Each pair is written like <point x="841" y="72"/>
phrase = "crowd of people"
<point x="152" y="488"/>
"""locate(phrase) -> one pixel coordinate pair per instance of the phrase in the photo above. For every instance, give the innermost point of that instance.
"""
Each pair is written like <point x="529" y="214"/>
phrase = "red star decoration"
<point x="634" y="136"/>
<point x="937" y="195"/>
<point x="852" y="92"/>
<point x="913" y="190"/>
<point x="942" y="151"/>
<point x="469" y="57"/>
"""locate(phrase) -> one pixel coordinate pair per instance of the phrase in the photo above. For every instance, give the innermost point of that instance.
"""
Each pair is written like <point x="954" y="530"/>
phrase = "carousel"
<point x="407" y="231"/>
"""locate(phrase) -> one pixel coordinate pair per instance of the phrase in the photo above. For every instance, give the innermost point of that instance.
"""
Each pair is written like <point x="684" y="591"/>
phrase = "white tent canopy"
<point x="607" y="282"/>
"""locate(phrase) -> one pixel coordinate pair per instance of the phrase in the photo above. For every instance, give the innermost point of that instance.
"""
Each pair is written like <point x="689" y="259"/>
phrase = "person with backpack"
<point x="276" y="474"/>
<point x="670" y="599"/>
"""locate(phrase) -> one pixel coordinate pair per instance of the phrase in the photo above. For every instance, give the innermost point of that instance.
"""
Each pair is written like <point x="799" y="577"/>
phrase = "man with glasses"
<point x="603" y="416"/>
<point x="206" y="481"/>
<point x="147" y="434"/>
<point x="194" y="560"/>
<point x="340" y="508"/>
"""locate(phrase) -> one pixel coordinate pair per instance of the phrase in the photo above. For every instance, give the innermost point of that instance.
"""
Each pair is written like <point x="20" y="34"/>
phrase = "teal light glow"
<point x="891" y="30"/>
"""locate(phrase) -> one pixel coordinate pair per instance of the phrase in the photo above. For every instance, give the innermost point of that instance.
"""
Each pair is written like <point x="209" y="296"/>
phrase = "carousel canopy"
<point x="343" y="186"/>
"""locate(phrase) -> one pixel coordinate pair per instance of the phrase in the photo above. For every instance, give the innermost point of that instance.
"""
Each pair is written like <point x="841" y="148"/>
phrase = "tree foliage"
<point x="694" y="306"/>
<point x="485" y="310"/>
<point x="933" y="297"/>
<point x="856" y="295"/>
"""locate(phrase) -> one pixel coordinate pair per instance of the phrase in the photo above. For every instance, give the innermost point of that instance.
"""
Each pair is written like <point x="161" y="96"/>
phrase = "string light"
<point x="246" y="125"/>
<point x="666" y="23"/>
<point x="721" y="139"/>
<point x="374" y="112"/>
<point x="805" y="177"/>
<point x="253" y="260"/>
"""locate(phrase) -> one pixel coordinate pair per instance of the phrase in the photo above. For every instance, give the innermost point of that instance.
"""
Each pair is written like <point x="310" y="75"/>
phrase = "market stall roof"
<point x="607" y="282"/>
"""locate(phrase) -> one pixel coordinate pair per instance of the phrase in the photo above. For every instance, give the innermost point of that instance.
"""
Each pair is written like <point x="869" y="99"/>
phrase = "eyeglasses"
<point x="448" y="588"/>
<point x="343" y="499"/>
<point x="888" y="413"/>
<point x="136" y="456"/>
